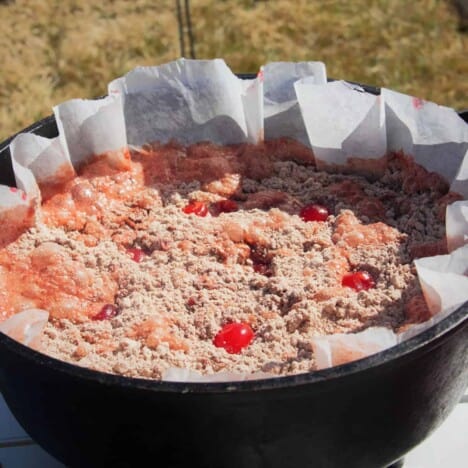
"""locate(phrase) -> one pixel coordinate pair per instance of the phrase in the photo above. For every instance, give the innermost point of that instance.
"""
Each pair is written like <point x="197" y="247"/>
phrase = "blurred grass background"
<point x="54" y="50"/>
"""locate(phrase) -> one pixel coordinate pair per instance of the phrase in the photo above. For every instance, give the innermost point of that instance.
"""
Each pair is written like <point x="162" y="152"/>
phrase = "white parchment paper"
<point x="444" y="279"/>
<point x="283" y="116"/>
<point x="434" y="135"/>
<point x="340" y="348"/>
<point x="189" y="101"/>
<point x="177" y="374"/>
<point x="456" y="220"/>
<point x="342" y="121"/>
<point x="91" y="127"/>
<point x="39" y="160"/>
<point x="26" y="326"/>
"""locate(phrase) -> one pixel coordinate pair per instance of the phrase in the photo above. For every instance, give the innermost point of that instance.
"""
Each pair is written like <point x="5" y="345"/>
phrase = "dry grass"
<point x="55" y="50"/>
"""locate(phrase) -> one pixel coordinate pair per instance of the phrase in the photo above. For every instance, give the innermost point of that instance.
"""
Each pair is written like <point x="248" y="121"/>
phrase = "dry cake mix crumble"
<point x="222" y="258"/>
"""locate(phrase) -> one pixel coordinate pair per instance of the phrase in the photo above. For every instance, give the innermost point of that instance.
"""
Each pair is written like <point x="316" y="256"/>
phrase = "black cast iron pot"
<point x="368" y="413"/>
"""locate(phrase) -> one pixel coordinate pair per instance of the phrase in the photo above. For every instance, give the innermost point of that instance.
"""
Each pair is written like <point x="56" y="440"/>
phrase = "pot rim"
<point x="422" y="341"/>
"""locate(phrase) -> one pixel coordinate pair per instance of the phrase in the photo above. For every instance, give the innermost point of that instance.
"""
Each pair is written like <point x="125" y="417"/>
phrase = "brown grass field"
<point x="54" y="50"/>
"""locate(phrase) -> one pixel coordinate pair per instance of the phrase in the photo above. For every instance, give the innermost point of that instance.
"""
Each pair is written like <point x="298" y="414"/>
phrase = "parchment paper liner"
<point x="283" y="117"/>
<point x="26" y="326"/>
<point x="192" y="101"/>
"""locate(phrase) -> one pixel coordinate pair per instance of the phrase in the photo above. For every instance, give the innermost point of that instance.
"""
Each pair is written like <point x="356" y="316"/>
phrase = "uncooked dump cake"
<point x="217" y="258"/>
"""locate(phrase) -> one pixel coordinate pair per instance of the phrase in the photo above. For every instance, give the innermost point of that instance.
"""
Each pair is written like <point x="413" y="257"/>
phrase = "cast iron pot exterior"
<point x="367" y="413"/>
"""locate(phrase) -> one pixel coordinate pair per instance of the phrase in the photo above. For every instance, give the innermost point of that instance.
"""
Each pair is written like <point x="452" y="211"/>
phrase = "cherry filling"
<point x="314" y="212"/>
<point x="136" y="254"/>
<point x="234" y="337"/>
<point x="191" y="301"/>
<point x="223" y="206"/>
<point x="261" y="260"/>
<point x="107" y="312"/>
<point x="197" y="208"/>
<point x="358" y="280"/>
<point x="262" y="269"/>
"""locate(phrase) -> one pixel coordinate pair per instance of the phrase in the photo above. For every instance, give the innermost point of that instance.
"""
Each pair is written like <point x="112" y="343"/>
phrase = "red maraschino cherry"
<point x="358" y="280"/>
<point x="234" y="337"/>
<point x="107" y="312"/>
<point x="314" y="212"/>
<point x="196" y="207"/>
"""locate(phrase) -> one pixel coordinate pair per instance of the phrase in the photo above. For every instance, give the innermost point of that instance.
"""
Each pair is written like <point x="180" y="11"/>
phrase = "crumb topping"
<point x="141" y="269"/>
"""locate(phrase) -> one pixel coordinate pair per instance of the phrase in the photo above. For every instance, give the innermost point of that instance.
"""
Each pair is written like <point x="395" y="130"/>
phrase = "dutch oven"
<point x="366" y="413"/>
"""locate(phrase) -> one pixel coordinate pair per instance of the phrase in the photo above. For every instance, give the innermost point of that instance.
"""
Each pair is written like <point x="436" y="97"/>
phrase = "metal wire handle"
<point x="184" y="21"/>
